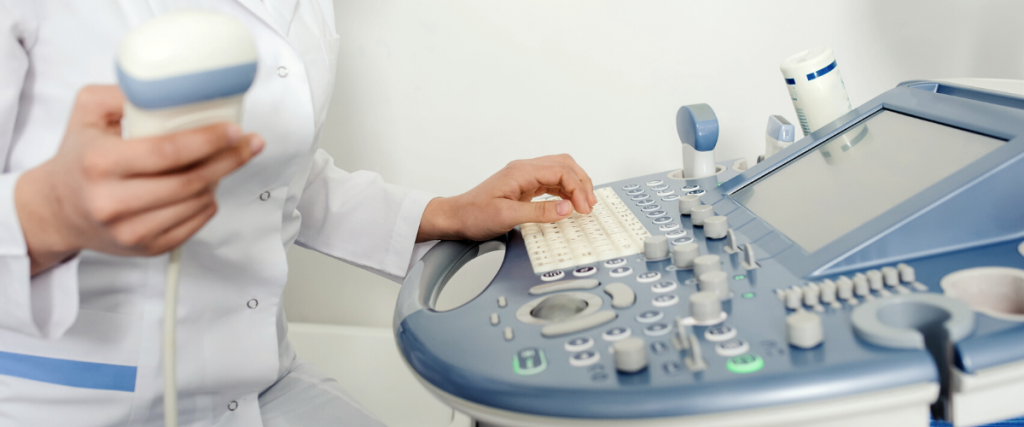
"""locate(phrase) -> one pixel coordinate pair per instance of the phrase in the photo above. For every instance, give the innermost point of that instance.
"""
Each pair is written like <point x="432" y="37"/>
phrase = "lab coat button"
<point x="282" y="72"/>
<point x="264" y="196"/>
<point x="232" y="405"/>
<point x="252" y="303"/>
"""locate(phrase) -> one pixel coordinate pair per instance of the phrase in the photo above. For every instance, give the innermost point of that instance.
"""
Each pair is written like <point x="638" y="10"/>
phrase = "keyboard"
<point x="609" y="231"/>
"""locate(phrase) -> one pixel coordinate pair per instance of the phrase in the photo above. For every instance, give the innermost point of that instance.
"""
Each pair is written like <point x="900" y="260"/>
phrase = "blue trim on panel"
<point x="71" y="373"/>
<point x="790" y="81"/>
<point x="187" y="89"/>
<point x="822" y="71"/>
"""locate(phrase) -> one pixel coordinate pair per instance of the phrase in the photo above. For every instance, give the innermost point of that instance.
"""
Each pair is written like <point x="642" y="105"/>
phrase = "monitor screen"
<point x="859" y="174"/>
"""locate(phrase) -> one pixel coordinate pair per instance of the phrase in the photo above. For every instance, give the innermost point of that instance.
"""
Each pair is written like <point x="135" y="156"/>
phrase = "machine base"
<point x="990" y="395"/>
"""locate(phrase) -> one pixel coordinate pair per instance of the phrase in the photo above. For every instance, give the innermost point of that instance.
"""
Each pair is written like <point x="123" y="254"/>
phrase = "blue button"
<point x="630" y="186"/>
<point x="579" y="344"/>
<point x="656" y="214"/>
<point x="612" y="263"/>
<point x="659" y="347"/>
<point x="657" y="329"/>
<point x="665" y="300"/>
<point x="655" y="182"/>
<point x="671" y="198"/>
<point x="649" y="208"/>
<point x="645" y="202"/>
<point x="649" y="316"/>
<point x="697" y="193"/>
<point x="648" y="277"/>
<point x="659" y="187"/>
<point x="662" y="220"/>
<point x="640" y="196"/>
<point x="691" y="187"/>
<point x="676" y="234"/>
<point x="682" y="240"/>
<point x="617" y="333"/>
<point x="635" y="191"/>
<point x="552" y="275"/>
<point x="666" y="286"/>
<point x="584" y="358"/>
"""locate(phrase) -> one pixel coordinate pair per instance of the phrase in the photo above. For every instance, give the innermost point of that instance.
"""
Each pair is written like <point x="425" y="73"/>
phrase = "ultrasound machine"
<point x="869" y="274"/>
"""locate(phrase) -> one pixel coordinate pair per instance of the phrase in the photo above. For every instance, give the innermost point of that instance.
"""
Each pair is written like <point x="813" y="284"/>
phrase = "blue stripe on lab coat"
<point x="68" y="372"/>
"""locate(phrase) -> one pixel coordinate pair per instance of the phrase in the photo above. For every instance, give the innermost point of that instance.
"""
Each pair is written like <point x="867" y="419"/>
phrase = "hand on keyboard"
<point x="504" y="200"/>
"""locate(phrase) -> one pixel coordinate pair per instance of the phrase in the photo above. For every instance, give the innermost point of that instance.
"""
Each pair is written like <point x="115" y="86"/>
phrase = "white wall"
<point x="440" y="94"/>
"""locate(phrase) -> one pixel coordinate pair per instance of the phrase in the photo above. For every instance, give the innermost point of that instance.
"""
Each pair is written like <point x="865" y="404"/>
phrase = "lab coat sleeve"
<point x="358" y="218"/>
<point x="47" y="304"/>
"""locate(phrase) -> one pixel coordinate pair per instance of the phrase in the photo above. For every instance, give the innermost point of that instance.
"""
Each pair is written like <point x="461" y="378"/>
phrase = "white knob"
<point x="891" y="276"/>
<point x="907" y="274"/>
<point x="630" y="355"/>
<point x="845" y="287"/>
<point x="875" y="279"/>
<point x="804" y="330"/>
<point x="860" y="285"/>
<point x="687" y="202"/>
<point x="706" y="263"/>
<point x="705" y="306"/>
<point x="793" y="297"/>
<point x="811" y="294"/>
<point x="699" y="213"/>
<point x="714" y="281"/>
<point x="684" y="254"/>
<point x="656" y="248"/>
<point x="828" y="291"/>
<point x="716" y="227"/>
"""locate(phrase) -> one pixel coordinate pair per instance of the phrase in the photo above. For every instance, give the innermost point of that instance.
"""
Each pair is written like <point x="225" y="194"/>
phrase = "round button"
<point x="659" y="187"/>
<point x="662" y="220"/>
<point x="584" y="271"/>
<point x="733" y="347"/>
<point x="671" y="198"/>
<point x="282" y="72"/>
<point x="691" y="187"/>
<point x="645" y="202"/>
<point x="666" y="286"/>
<point x="552" y="275"/>
<point x="719" y="333"/>
<point x="650" y="208"/>
<point x="655" y="182"/>
<point x="657" y="329"/>
<point x="649" y="316"/>
<point x="690" y="282"/>
<point x="672" y="368"/>
<point x="264" y="196"/>
<point x="696" y="193"/>
<point x="635" y="191"/>
<point x="617" y="333"/>
<point x="665" y="193"/>
<point x="621" y="272"/>
<point x="665" y="300"/>
<point x="630" y="186"/>
<point x="579" y="344"/>
<point x="584" y="358"/>
<point x="599" y="376"/>
<point x="668" y="227"/>
<point x="744" y="363"/>
<point x="232" y="405"/>
<point x="252" y="303"/>
<point x="640" y="196"/>
<point x="656" y="214"/>
<point x="682" y="240"/>
<point x="612" y="263"/>
<point x="659" y="347"/>
<point x="648" y="277"/>
<point x="676" y="234"/>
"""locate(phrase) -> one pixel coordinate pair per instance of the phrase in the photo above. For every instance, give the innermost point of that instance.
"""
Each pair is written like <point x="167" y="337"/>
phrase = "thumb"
<point x="541" y="212"/>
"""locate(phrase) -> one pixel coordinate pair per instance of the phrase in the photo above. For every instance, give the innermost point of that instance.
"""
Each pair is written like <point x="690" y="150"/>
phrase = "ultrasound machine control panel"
<point x="872" y="272"/>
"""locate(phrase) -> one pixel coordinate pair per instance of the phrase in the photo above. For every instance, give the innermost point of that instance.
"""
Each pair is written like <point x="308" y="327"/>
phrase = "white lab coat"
<point x="80" y="344"/>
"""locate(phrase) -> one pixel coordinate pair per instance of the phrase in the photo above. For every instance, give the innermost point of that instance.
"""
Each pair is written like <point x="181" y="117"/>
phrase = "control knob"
<point x="630" y="355"/>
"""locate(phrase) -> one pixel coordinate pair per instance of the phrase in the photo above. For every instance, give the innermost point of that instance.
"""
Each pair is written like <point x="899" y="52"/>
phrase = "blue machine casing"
<point x="937" y="231"/>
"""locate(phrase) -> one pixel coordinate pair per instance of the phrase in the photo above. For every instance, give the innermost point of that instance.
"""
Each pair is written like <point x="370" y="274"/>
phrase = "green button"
<point x="529" y="361"/>
<point x="720" y="183"/>
<point x="745" y="363"/>
<point x="739" y="277"/>
<point x="749" y="295"/>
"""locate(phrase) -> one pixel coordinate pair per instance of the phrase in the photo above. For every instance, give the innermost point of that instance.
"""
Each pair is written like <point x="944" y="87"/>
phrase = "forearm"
<point x="440" y="221"/>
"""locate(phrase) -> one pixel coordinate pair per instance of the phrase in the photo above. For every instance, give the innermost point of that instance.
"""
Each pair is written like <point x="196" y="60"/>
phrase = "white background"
<point x="438" y="95"/>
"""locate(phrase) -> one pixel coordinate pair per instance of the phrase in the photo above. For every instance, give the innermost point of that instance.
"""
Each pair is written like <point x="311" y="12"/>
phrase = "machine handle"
<point x="428" y="277"/>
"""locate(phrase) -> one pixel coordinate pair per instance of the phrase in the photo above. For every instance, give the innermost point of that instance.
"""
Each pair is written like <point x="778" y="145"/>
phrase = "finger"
<point x="99" y="106"/>
<point x="563" y="177"/>
<point x="540" y="212"/>
<point x="139" y="231"/>
<point x="150" y="192"/>
<point x="588" y="184"/>
<point x="167" y="153"/>
<point x="178" y="235"/>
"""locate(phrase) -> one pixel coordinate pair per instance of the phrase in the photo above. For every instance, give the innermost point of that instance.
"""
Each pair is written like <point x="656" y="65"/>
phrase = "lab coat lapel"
<point x="277" y="14"/>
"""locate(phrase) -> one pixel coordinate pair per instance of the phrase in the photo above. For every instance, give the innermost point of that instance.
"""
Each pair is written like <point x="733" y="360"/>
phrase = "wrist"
<point x="48" y="239"/>
<point x="439" y="220"/>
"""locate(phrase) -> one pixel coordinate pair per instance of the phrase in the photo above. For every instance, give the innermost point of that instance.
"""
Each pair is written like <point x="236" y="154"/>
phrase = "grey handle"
<point x="424" y="283"/>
